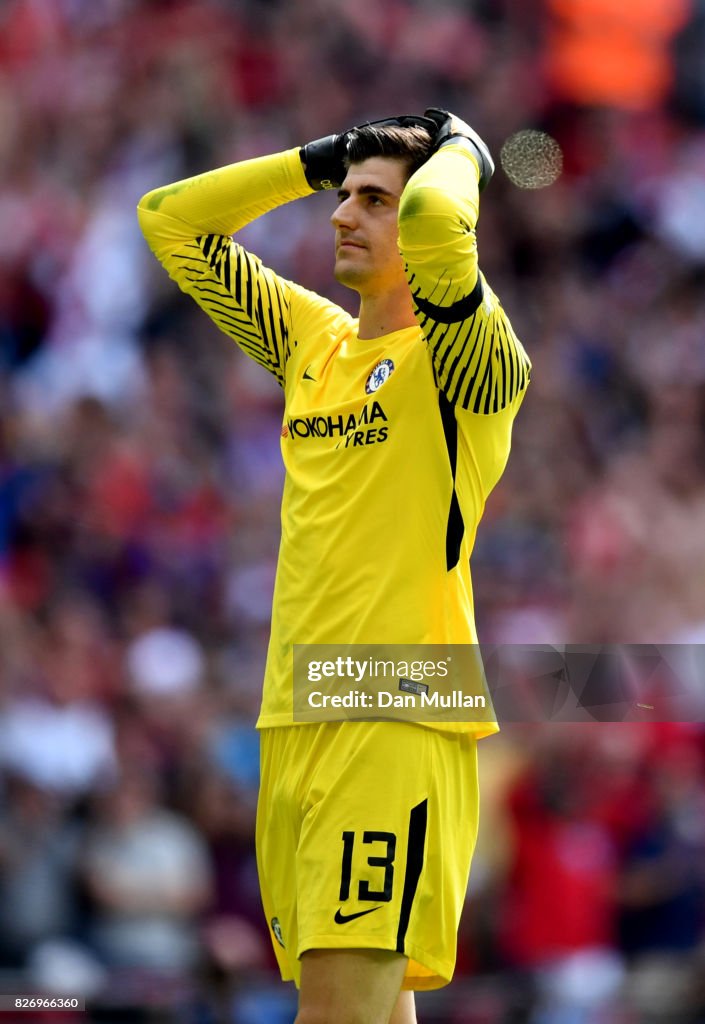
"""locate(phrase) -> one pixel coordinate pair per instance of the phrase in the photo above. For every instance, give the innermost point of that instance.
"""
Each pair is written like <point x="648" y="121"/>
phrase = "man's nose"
<point x="344" y="215"/>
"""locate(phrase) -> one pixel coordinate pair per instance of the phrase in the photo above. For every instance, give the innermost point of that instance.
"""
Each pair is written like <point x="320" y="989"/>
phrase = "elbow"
<point x="431" y="219"/>
<point x="425" y="201"/>
<point x="142" y="213"/>
<point x="145" y="213"/>
<point x="144" y="221"/>
<point x="151" y="201"/>
<point x="149" y="205"/>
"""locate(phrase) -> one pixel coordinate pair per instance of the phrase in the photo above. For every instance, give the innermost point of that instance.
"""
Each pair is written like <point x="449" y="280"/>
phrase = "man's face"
<point x="366" y="252"/>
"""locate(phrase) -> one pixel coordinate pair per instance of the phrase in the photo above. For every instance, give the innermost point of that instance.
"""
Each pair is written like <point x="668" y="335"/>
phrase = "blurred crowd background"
<point x="140" y="479"/>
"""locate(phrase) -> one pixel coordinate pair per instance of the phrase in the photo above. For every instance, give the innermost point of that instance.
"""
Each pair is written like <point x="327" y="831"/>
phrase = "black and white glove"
<point x="322" y="161"/>
<point x="449" y="126"/>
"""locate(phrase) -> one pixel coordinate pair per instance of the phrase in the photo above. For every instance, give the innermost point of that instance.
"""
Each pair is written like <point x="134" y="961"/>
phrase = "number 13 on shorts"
<point x="385" y="846"/>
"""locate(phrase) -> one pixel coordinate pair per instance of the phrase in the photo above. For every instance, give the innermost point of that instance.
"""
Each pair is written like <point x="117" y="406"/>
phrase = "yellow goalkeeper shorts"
<point x="365" y="833"/>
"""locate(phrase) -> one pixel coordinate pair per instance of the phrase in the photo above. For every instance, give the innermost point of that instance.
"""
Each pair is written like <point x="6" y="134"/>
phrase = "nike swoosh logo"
<point x="344" y="918"/>
<point x="306" y="375"/>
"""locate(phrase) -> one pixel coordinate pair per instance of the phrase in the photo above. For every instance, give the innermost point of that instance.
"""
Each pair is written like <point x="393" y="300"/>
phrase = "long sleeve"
<point x="479" y="363"/>
<point x="188" y="226"/>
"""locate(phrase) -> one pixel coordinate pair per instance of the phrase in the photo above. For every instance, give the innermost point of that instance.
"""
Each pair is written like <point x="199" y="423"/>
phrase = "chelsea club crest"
<point x="276" y="928"/>
<point x="379" y="376"/>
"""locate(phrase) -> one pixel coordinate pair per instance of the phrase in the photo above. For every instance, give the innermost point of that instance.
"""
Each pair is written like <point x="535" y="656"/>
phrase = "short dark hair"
<point x="410" y="143"/>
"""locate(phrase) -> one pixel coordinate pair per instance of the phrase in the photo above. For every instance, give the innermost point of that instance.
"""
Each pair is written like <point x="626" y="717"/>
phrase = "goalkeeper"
<point x="396" y="427"/>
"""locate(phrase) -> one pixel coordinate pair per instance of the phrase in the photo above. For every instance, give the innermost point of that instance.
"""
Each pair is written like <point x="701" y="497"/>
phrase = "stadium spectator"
<point x="148" y="878"/>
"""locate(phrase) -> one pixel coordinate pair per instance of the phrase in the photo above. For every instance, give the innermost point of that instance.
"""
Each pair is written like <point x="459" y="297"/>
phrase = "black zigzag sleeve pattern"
<point x="246" y="300"/>
<point x="479" y="363"/>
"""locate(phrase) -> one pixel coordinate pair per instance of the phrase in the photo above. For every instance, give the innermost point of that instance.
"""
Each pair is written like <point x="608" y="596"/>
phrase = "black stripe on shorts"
<point x="414" y="863"/>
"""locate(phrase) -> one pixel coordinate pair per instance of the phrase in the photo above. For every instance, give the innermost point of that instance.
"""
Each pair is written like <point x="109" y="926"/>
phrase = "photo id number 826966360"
<point x="27" y="1002"/>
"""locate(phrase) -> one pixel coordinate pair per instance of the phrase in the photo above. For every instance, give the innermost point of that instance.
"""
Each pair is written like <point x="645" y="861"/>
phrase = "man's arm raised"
<point x="188" y="226"/>
<point x="478" y="362"/>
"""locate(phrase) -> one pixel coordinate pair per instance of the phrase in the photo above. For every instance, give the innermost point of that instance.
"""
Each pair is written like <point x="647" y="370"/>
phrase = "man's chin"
<point x="351" y="277"/>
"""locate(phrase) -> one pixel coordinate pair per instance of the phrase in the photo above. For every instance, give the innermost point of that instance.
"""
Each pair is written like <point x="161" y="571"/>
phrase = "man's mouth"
<point x="349" y="243"/>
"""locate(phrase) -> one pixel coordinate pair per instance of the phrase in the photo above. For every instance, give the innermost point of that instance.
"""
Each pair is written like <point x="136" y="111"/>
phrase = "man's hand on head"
<point x="323" y="161"/>
<point x="450" y="126"/>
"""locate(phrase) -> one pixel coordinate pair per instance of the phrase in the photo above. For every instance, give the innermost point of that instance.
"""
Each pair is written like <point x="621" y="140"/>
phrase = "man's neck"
<point x="384" y="314"/>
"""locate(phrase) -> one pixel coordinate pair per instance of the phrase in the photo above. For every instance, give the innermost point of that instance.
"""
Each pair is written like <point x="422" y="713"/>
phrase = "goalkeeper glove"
<point x="322" y="161"/>
<point x="448" y="126"/>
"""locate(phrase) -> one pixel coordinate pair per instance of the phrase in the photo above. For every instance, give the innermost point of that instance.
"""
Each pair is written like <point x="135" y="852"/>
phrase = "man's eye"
<point x="375" y="201"/>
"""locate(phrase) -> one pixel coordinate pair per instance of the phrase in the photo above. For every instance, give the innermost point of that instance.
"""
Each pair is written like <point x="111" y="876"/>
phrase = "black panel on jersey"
<point x="463" y="309"/>
<point x="455" y="527"/>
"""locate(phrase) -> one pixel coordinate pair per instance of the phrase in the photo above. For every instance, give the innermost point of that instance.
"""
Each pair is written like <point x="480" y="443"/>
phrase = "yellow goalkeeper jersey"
<point x="391" y="445"/>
